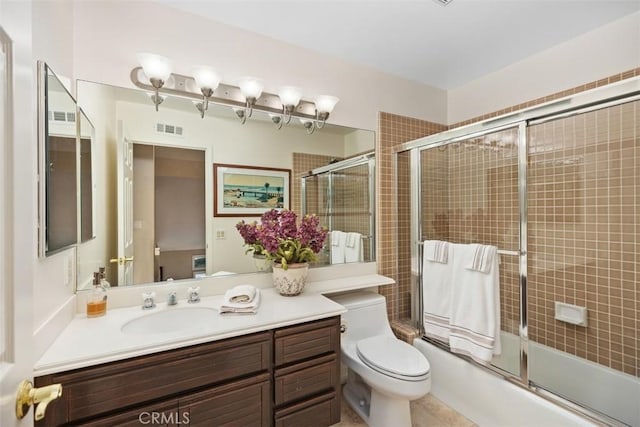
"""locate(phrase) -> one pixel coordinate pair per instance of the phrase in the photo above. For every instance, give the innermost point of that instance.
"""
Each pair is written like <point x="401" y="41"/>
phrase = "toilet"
<point x="383" y="373"/>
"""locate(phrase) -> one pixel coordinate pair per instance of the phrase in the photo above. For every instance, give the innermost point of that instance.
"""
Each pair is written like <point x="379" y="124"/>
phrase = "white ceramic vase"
<point x="262" y="263"/>
<point x="291" y="281"/>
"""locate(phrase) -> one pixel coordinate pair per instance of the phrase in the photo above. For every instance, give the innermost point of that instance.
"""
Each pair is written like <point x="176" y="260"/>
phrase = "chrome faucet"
<point x="148" y="300"/>
<point x="194" y="295"/>
<point x="172" y="299"/>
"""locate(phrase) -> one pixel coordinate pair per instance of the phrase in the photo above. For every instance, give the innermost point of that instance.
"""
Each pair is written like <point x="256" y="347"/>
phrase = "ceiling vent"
<point x="169" y="129"/>
<point x="443" y="2"/>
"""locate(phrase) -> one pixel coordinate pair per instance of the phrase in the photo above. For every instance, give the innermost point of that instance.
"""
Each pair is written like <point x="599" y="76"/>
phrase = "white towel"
<point x="241" y="293"/>
<point x="229" y="307"/>
<point x="338" y="245"/>
<point x="482" y="259"/>
<point x="475" y="309"/>
<point x="436" y="295"/>
<point x="436" y="251"/>
<point x="353" y="248"/>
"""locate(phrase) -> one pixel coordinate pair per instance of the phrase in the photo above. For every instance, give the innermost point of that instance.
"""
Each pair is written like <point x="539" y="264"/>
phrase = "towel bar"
<point x="500" y="251"/>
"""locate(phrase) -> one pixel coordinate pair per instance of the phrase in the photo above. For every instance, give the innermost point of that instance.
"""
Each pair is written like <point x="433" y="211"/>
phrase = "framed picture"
<point x="249" y="190"/>
<point x="198" y="262"/>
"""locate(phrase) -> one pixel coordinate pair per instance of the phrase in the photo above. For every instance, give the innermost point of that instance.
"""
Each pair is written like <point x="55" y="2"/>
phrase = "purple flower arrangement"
<point x="281" y="238"/>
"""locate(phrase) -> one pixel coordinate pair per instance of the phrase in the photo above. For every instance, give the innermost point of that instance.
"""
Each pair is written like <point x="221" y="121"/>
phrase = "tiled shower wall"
<point x="393" y="249"/>
<point x="584" y="234"/>
<point x="612" y="337"/>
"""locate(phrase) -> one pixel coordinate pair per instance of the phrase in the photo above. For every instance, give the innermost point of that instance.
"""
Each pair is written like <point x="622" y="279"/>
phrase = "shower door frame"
<point x="607" y="96"/>
<point x="368" y="159"/>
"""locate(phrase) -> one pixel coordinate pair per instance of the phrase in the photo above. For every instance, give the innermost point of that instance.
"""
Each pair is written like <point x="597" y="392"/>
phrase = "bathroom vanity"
<point x="263" y="374"/>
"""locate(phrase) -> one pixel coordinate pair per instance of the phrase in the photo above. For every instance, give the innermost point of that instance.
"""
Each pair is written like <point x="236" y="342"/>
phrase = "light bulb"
<point x="250" y="87"/>
<point x="289" y="96"/>
<point x="155" y="66"/>
<point x="326" y="103"/>
<point x="206" y="77"/>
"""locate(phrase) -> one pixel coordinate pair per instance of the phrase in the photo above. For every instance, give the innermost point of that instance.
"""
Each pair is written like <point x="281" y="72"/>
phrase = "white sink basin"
<point x="170" y="320"/>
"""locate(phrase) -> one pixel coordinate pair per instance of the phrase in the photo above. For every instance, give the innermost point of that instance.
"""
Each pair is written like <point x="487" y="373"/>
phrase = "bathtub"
<point x="489" y="400"/>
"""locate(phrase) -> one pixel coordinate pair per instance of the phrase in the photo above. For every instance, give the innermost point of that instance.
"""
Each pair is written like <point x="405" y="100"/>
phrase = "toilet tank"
<point x="366" y="314"/>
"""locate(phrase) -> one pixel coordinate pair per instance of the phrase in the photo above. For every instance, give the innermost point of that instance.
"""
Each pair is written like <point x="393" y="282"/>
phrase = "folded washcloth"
<point x="436" y="251"/>
<point x="240" y="293"/>
<point x="482" y="258"/>
<point x="229" y="307"/>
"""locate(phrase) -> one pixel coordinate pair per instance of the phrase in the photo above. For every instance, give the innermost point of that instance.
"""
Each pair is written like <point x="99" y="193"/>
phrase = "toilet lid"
<point x="393" y="357"/>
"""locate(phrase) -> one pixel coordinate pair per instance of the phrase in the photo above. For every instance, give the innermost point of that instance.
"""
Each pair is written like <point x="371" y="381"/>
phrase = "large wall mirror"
<point x="154" y="184"/>
<point x="65" y="167"/>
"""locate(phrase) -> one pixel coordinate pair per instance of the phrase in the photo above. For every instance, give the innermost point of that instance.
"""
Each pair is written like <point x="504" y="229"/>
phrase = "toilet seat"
<point x="392" y="357"/>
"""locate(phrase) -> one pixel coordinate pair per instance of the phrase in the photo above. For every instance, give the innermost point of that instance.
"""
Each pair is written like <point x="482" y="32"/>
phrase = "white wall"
<point x="608" y="50"/>
<point x="109" y="34"/>
<point x="357" y="142"/>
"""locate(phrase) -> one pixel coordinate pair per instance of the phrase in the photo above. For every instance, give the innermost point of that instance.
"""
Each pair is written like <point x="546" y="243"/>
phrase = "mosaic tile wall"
<point x="584" y="234"/>
<point x="394" y="253"/>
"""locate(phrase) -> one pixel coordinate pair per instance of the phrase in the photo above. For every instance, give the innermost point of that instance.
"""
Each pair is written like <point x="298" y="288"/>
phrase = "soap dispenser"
<point x="103" y="278"/>
<point x="97" y="301"/>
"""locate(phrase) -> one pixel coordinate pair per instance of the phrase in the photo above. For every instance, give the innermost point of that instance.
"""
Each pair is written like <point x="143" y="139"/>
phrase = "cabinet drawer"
<point x="120" y="385"/>
<point x="241" y="403"/>
<point x="305" y="379"/>
<point x="320" y="411"/>
<point x="309" y="340"/>
<point x="161" y="414"/>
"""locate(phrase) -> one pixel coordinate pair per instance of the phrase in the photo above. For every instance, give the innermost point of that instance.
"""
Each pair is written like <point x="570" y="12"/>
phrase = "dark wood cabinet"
<point x="307" y="374"/>
<point x="279" y="377"/>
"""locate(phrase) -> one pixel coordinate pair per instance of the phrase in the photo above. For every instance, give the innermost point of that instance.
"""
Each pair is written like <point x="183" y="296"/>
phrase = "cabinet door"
<point x="306" y="341"/>
<point x="161" y="414"/>
<point x="305" y="379"/>
<point x="241" y="403"/>
<point x="320" y="411"/>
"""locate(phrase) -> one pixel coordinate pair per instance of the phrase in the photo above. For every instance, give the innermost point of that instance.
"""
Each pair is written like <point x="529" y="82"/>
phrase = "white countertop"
<point x="91" y="341"/>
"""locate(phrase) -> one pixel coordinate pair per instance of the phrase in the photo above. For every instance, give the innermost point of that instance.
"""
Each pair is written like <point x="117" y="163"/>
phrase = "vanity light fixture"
<point x="277" y="120"/>
<point x="207" y="81"/>
<point x="154" y="75"/>
<point x="290" y="98"/>
<point x="251" y="89"/>
<point x="157" y="69"/>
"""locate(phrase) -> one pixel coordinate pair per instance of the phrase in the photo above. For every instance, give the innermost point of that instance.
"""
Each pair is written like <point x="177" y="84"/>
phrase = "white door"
<point x="125" y="207"/>
<point x="17" y="207"/>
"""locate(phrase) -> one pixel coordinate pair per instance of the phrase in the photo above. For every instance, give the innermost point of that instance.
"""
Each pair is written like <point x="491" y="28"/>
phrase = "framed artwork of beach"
<point x="249" y="190"/>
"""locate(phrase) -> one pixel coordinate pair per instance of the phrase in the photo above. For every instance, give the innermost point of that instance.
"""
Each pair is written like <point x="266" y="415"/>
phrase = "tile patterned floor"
<point x="425" y="412"/>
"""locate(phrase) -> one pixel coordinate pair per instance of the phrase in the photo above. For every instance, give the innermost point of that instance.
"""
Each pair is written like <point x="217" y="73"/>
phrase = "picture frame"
<point x="241" y="190"/>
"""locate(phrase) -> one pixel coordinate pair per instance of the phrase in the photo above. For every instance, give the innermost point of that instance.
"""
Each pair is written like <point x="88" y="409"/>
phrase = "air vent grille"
<point x="169" y="129"/>
<point x="62" y="116"/>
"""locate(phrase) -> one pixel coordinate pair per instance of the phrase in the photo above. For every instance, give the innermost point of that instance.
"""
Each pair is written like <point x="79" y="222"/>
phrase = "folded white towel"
<point x="481" y="258"/>
<point x="436" y="294"/>
<point x="353" y="249"/>
<point x="475" y="308"/>
<point x="436" y="251"/>
<point x="338" y="244"/>
<point x="229" y="307"/>
<point x="241" y="293"/>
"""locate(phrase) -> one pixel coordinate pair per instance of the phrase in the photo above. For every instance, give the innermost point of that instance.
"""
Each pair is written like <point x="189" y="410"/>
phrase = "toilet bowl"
<point x="384" y="373"/>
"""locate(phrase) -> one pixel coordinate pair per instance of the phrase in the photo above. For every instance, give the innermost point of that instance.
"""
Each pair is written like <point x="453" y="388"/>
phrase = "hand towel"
<point x="338" y="245"/>
<point x="241" y="293"/>
<point x="229" y="307"/>
<point x="475" y="309"/>
<point x="482" y="258"/>
<point x="353" y="248"/>
<point x="436" y="251"/>
<point x="436" y="294"/>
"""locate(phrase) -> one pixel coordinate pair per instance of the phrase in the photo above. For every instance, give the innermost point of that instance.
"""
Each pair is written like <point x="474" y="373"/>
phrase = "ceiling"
<point x="420" y="40"/>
